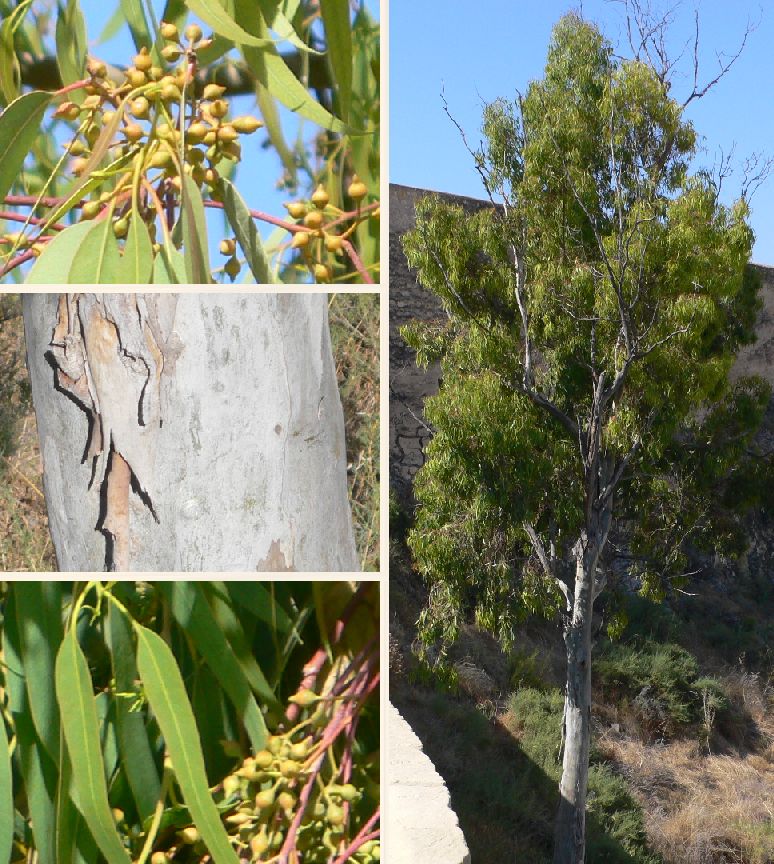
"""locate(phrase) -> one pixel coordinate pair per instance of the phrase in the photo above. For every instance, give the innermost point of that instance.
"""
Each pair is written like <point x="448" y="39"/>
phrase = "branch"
<point x="548" y="567"/>
<point x="698" y="92"/>
<point x="42" y="73"/>
<point x="357" y="262"/>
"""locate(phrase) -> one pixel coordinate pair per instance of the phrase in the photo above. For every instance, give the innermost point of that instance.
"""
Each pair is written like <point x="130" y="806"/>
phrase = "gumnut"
<point x="246" y="124"/>
<point x="313" y="219"/>
<point x="169" y="31"/>
<point x="320" y="197"/>
<point x="357" y="189"/>
<point x="193" y="32"/>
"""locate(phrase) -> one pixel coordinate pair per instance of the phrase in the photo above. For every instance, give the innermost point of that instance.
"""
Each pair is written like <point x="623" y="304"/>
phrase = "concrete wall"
<point x="421" y="827"/>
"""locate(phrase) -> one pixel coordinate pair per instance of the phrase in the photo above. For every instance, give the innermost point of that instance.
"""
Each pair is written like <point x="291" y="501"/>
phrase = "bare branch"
<point x="549" y="566"/>
<point x="698" y="91"/>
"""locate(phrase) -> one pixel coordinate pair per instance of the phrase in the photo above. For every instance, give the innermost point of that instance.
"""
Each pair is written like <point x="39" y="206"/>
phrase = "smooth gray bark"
<point x="226" y="410"/>
<point x="570" y="827"/>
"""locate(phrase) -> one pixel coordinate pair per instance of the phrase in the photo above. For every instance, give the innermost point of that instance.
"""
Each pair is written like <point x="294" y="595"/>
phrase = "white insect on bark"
<point x="190" y="431"/>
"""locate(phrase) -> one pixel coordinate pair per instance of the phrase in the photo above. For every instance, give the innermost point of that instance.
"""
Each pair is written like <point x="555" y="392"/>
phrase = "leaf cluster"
<point x="152" y="144"/>
<point x="185" y="720"/>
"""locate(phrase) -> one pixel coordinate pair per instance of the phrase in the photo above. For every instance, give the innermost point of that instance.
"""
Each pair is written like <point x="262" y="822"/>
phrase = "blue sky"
<point x="479" y="51"/>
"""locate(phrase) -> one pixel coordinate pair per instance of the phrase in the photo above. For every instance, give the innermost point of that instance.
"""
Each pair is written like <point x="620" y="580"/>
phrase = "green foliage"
<point x="615" y="267"/>
<point x="151" y="141"/>
<point x="185" y="719"/>
<point x="537" y="717"/>
<point x="660" y="684"/>
<point x="524" y="670"/>
<point x="616" y="826"/>
<point x="611" y="802"/>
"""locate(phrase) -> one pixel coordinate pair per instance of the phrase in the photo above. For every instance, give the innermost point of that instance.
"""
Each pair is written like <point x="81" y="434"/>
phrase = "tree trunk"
<point x="570" y="828"/>
<point x="190" y="431"/>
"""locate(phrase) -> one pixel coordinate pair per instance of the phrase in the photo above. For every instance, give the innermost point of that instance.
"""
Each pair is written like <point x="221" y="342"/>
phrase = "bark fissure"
<point x="109" y="353"/>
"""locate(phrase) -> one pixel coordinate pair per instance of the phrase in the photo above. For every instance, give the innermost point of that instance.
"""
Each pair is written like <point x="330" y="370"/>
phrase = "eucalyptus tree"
<point x="586" y="411"/>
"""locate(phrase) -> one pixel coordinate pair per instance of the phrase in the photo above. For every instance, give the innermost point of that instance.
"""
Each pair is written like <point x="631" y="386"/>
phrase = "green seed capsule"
<point x="219" y="108"/>
<point x="196" y="132"/>
<point x="139" y="107"/>
<point x="213" y="91"/>
<point x="193" y="32"/>
<point x="171" y="53"/>
<point x="169" y="31"/>
<point x="246" y="125"/>
<point x="121" y="227"/>
<point x="90" y="209"/>
<point x="264" y="799"/>
<point x="143" y="61"/>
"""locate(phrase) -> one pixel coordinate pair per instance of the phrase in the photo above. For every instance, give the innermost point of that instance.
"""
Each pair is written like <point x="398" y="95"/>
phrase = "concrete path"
<point x="421" y="827"/>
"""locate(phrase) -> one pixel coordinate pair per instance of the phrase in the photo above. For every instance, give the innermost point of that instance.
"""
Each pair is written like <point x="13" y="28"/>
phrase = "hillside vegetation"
<point x="683" y="745"/>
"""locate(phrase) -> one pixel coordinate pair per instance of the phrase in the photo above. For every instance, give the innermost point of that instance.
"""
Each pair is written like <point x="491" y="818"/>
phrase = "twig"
<point x="23" y="476"/>
<point x="357" y="262"/>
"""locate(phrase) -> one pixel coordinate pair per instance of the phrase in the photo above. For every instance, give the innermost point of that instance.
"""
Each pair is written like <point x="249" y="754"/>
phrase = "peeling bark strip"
<point x="116" y="518"/>
<point x="109" y="352"/>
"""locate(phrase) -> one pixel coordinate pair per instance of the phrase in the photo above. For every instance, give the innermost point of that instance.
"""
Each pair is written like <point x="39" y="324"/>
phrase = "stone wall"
<point x="409" y="385"/>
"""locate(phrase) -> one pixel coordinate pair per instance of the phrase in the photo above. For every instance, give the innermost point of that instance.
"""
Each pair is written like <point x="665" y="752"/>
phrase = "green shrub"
<point x="621" y="817"/>
<point x="616" y="829"/>
<point x="660" y="686"/>
<point x="537" y="720"/>
<point x="525" y="670"/>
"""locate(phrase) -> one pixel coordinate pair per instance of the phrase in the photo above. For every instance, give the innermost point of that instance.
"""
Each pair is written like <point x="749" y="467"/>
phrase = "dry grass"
<point x="25" y="544"/>
<point x="708" y="809"/>
<point x="354" y="320"/>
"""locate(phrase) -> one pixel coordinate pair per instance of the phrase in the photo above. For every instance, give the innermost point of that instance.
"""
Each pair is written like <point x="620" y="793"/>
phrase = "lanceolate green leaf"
<point x="278" y="21"/>
<point x="58" y="256"/>
<point x="39" y="775"/>
<point x="19" y="126"/>
<point x="229" y="625"/>
<point x="9" y="64"/>
<point x="74" y="692"/>
<point x="246" y="233"/>
<point x="257" y="600"/>
<point x="10" y="73"/>
<point x="273" y="73"/>
<point x="271" y="117"/>
<point x="37" y="770"/>
<point x="338" y="37"/>
<point x="134" y="745"/>
<point x="71" y="46"/>
<point x="194" y="615"/>
<point x="6" y="796"/>
<point x="168" y="267"/>
<point x="134" y="13"/>
<point x="98" y="260"/>
<point x="167" y="697"/>
<point x="283" y="85"/>
<point x="194" y="225"/>
<point x="137" y="260"/>
<point x="221" y="22"/>
<point x="69" y="822"/>
<point x="38" y="618"/>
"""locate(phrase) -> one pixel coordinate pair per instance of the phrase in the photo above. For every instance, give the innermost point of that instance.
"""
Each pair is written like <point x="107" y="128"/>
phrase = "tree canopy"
<point x="595" y="311"/>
